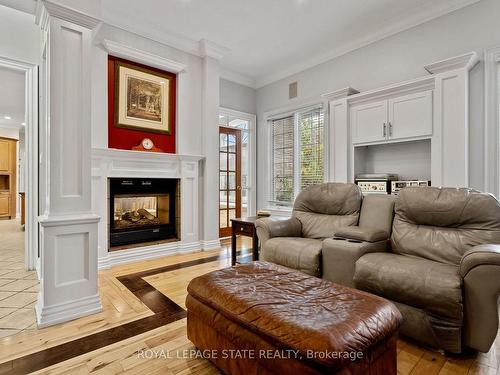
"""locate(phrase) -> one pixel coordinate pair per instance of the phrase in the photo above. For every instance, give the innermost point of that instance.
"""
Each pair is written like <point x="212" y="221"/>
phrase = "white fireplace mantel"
<point x="108" y="163"/>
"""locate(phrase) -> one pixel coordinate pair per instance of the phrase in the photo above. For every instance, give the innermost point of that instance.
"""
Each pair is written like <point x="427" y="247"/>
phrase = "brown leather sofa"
<point x="318" y="212"/>
<point x="442" y="269"/>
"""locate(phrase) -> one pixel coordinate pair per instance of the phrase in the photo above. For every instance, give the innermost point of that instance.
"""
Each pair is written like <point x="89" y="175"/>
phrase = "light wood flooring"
<point x="121" y="306"/>
<point x="18" y="287"/>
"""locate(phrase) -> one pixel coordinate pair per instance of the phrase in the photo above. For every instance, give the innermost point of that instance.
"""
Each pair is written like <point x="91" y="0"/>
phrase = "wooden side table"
<point x="244" y="226"/>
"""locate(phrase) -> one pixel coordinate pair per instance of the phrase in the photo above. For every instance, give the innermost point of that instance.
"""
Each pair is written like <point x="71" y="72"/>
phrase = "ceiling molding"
<point x="211" y="49"/>
<point x="339" y="94"/>
<point x="64" y="13"/>
<point x="238" y="78"/>
<point x="392" y="29"/>
<point x="465" y="61"/>
<point x="142" y="57"/>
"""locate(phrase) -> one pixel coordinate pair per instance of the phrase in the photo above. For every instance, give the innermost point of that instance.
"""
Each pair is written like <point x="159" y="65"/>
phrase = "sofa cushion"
<point x="431" y="286"/>
<point x="441" y="224"/>
<point x="324" y="208"/>
<point x="302" y="254"/>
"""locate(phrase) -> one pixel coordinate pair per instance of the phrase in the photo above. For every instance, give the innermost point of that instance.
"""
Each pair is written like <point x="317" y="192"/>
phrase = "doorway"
<point x="229" y="178"/>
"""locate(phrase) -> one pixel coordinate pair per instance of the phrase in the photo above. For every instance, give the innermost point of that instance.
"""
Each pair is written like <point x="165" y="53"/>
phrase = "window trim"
<point x="287" y="112"/>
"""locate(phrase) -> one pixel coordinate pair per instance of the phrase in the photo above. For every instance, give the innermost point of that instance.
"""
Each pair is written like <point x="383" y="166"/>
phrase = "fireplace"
<point x="142" y="210"/>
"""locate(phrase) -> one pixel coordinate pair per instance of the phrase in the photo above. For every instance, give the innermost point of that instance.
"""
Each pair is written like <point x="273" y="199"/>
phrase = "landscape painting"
<point x="142" y="99"/>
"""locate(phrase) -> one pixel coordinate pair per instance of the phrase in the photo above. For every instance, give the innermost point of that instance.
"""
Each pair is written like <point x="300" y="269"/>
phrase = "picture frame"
<point x="144" y="98"/>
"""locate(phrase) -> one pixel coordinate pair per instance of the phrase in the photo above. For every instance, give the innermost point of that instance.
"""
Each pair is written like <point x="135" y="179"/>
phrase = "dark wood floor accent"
<point x="166" y="311"/>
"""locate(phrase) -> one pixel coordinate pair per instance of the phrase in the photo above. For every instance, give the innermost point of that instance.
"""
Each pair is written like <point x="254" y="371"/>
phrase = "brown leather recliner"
<point x="318" y="212"/>
<point x="443" y="267"/>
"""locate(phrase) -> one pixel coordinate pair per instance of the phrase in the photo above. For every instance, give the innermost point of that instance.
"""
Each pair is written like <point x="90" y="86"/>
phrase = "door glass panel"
<point x="232" y="199"/>
<point x="223" y="219"/>
<point x="223" y="161"/>
<point x="232" y="215"/>
<point x="223" y="199"/>
<point x="232" y="162"/>
<point x="232" y="180"/>
<point x="223" y="142"/>
<point x="231" y="143"/>
<point x="223" y="180"/>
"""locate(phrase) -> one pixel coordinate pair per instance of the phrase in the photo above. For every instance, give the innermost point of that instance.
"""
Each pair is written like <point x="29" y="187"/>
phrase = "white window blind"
<point x="298" y="151"/>
<point x="312" y="151"/>
<point x="282" y="159"/>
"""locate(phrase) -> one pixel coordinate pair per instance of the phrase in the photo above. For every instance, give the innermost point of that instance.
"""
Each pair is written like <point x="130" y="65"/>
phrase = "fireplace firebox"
<point x="142" y="210"/>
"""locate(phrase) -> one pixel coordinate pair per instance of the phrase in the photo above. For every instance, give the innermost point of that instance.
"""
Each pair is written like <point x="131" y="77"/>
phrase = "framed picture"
<point x="144" y="98"/>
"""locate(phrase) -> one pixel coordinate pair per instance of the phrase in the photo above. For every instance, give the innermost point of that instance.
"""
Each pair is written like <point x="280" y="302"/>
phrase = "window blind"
<point x="283" y="183"/>
<point x="311" y="133"/>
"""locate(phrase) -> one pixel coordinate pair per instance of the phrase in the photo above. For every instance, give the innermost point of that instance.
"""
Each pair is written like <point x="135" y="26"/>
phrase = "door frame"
<point x="31" y="162"/>
<point x="237" y="133"/>
<point x="252" y="155"/>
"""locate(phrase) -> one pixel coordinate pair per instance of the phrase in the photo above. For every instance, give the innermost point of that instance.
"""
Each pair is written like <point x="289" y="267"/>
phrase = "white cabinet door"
<point x="410" y="115"/>
<point x="368" y="122"/>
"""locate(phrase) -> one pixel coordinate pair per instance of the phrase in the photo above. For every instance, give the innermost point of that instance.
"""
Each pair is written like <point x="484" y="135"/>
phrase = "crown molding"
<point x="46" y="8"/>
<point x="339" y="94"/>
<point x="392" y="28"/>
<point x="142" y="57"/>
<point x="465" y="61"/>
<point x="236" y="77"/>
<point x="211" y="49"/>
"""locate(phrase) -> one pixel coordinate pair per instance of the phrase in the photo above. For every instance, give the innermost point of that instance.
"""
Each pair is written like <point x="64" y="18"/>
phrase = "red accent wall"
<point x="125" y="139"/>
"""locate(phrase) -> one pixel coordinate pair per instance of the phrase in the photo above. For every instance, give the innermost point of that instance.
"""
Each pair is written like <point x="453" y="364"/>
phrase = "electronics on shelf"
<point x="398" y="185"/>
<point x="379" y="183"/>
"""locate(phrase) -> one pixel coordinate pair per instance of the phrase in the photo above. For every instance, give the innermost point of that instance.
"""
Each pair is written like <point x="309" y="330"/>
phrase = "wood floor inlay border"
<point x="165" y="311"/>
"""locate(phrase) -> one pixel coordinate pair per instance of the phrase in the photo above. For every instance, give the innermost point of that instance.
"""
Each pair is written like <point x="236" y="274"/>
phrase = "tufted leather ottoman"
<point x="262" y="318"/>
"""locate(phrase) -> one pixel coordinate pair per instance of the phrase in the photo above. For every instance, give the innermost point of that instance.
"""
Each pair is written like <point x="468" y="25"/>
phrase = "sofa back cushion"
<point x="324" y="208"/>
<point x="441" y="224"/>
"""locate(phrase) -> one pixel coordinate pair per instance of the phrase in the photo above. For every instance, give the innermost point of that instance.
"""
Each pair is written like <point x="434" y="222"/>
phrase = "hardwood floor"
<point x="144" y="309"/>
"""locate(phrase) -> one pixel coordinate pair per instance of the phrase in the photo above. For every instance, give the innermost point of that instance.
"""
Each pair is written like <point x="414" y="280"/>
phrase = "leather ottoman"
<point x="262" y="318"/>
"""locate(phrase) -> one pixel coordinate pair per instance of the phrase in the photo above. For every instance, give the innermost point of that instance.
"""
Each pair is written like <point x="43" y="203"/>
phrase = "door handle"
<point x="238" y="187"/>
<point x="385" y="130"/>
<point x="390" y="129"/>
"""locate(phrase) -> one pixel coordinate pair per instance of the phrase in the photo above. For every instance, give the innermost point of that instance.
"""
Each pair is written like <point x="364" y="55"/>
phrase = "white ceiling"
<point x="271" y="39"/>
<point x="268" y="39"/>
<point x="12" y="100"/>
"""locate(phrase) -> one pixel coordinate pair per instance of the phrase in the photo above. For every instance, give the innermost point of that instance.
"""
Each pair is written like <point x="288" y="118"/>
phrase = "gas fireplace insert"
<point x="142" y="210"/>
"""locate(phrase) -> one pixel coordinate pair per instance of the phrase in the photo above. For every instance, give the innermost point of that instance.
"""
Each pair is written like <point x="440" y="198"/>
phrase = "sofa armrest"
<point x="362" y="234"/>
<point x="339" y="257"/>
<point x="480" y="270"/>
<point x="271" y="227"/>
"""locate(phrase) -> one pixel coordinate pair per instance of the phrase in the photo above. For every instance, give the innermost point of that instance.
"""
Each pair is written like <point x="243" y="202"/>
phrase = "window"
<point x="297" y="153"/>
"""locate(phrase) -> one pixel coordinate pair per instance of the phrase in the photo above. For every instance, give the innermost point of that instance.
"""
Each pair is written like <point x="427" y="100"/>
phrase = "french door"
<point x="229" y="178"/>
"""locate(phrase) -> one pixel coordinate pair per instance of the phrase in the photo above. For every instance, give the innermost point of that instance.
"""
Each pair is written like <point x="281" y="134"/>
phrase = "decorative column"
<point x="68" y="227"/>
<point x="450" y="140"/>
<point x="339" y="139"/>
<point x="211" y="54"/>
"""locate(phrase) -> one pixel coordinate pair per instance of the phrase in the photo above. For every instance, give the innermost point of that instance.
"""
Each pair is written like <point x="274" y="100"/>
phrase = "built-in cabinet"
<point x="418" y="128"/>
<point x="400" y="117"/>
<point x="8" y="166"/>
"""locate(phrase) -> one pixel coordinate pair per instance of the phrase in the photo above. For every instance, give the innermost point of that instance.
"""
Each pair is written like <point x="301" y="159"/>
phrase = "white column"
<point x="210" y="142"/>
<point x="339" y="139"/>
<point x="450" y="140"/>
<point x="68" y="237"/>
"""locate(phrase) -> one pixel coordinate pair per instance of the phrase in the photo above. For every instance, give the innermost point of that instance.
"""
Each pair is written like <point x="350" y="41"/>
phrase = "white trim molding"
<point x="339" y="94"/>
<point x="492" y="121"/>
<point x="142" y="57"/>
<point x="211" y="49"/>
<point x="47" y="8"/>
<point x="467" y="61"/>
<point x="31" y="169"/>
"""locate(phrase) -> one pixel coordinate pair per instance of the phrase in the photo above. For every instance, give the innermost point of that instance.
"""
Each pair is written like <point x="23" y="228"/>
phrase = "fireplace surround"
<point x="142" y="210"/>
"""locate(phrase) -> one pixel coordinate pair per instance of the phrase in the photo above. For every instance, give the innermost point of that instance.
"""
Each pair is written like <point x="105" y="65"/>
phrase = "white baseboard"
<point x="50" y="315"/>
<point x="146" y="252"/>
<point x="209" y="245"/>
